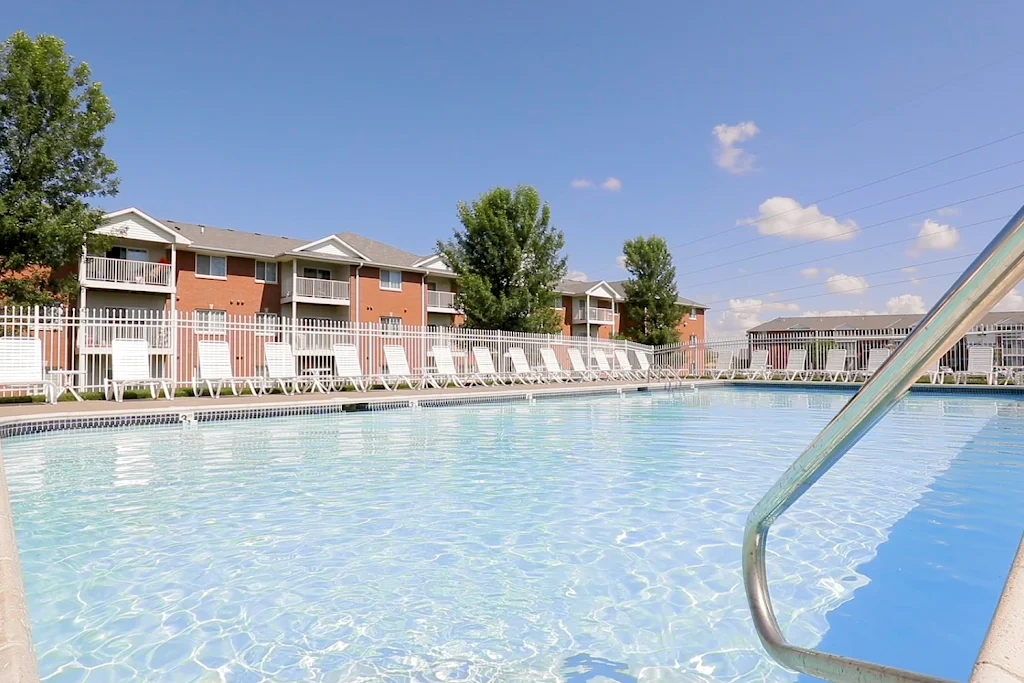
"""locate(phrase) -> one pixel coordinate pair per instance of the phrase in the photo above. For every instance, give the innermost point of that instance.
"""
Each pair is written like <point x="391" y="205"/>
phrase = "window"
<point x="267" y="324"/>
<point x="316" y="273"/>
<point x="266" y="271"/>
<point x="391" y="279"/>
<point x="211" y="321"/>
<point x="693" y="314"/>
<point x="390" y="322"/>
<point x="211" y="266"/>
<point x="693" y="340"/>
<point x="128" y="254"/>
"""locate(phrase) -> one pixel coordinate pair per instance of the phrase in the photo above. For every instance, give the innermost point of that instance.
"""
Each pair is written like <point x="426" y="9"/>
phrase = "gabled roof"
<point x="159" y="226"/>
<point x="234" y="241"/>
<point x="332" y="246"/>
<point x="380" y="253"/>
<point x="580" y="288"/>
<point x="871" y="322"/>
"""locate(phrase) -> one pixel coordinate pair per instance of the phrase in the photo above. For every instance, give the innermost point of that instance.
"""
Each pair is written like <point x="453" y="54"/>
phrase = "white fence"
<point x="81" y="341"/>
<point x="1006" y="339"/>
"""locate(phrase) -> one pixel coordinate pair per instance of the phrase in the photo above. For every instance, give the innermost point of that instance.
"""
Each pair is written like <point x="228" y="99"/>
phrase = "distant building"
<point x="599" y="309"/>
<point x="861" y="333"/>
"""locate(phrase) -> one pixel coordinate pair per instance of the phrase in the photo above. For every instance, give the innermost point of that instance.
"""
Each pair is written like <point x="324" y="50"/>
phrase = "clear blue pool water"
<point x="571" y="540"/>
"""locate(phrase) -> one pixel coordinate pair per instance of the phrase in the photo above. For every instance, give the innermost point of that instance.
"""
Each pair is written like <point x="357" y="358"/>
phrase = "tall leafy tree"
<point x="52" y="118"/>
<point x="651" y="294"/>
<point x="508" y="261"/>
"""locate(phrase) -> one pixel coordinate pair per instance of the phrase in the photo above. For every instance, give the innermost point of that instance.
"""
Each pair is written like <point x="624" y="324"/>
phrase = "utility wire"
<point x="844" y="277"/>
<point x="850" y="232"/>
<point x="866" y="185"/>
<point x="847" y="213"/>
<point x="813" y="296"/>
<point x="843" y="253"/>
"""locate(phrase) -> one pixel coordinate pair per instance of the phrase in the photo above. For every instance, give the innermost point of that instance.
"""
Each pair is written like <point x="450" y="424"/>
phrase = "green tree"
<point x="652" y="300"/>
<point x="52" y="117"/>
<point x="507" y="259"/>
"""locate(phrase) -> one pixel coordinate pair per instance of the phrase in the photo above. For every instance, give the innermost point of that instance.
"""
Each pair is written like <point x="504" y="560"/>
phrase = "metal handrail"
<point x="992" y="275"/>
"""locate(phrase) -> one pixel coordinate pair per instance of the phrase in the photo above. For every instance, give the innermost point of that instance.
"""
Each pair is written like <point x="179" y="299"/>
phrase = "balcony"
<point x="593" y="314"/>
<point x="316" y="291"/>
<point x="115" y="273"/>
<point x="441" y="302"/>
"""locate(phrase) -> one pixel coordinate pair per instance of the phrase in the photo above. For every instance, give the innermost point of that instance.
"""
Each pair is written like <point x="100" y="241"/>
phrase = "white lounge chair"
<point x="130" y="367"/>
<point x="876" y="357"/>
<point x="486" y="373"/>
<point x="796" y="365"/>
<point x="396" y="369"/>
<point x="347" y="368"/>
<point x="835" y="366"/>
<point x="21" y="366"/>
<point x="981" y="363"/>
<point x="625" y="367"/>
<point x="936" y="374"/>
<point x="282" y="371"/>
<point x="521" y="369"/>
<point x="604" y="368"/>
<point x="579" y="366"/>
<point x="215" y="370"/>
<point x="644" y="368"/>
<point x="444" y="364"/>
<point x="722" y="365"/>
<point x="758" y="365"/>
<point x="552" y="368"/>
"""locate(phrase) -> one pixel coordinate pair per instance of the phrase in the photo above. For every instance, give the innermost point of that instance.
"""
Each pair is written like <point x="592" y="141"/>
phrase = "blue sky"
<point x="309" y="118"/>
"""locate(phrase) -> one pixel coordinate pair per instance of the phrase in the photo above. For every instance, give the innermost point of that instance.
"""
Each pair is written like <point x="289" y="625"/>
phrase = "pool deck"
<point x="1002" y="654"/>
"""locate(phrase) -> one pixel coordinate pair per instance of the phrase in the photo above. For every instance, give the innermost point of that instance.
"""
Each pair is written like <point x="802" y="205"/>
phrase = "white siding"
<point x="331" y="249"/>
<point x="130" y="227"/>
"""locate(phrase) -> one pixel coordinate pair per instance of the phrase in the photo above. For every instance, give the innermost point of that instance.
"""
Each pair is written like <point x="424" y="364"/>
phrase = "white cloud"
<point x="577" y="275"/>
<point x="846" y="284"/>
<point x="905" y="303"/>
<point x="1014" y="301"/>
<point x="909" y="269"/>
<point x="785" y="217"/>
<point x="810" y="272"/>
<point x="612" y="184"/>
<point x="935" y="235"/>
<point x="950" y="211"/>
<point x="580" y="183"/>
<point x="727" y="155"/>
<point x="743" y="314"/>
<point x="620" y="261"/>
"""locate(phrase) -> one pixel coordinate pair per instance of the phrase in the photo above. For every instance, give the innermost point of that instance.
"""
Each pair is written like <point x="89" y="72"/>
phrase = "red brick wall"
<point x="375" y="303"/>
<point x="239" y="294"/>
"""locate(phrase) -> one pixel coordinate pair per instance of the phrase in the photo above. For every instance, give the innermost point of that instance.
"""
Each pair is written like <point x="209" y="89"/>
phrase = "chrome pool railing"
<point x="990" y="277"/>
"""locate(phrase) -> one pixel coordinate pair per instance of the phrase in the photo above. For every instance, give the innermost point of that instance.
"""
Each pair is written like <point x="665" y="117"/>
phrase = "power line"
<point x="842" y="253"/>
<point x="843" y="277"/>
<point x="867" y="185"/>
<point x="847" y="213"/>
<point x="850" y="232"/>
<point x="814" y="296"/>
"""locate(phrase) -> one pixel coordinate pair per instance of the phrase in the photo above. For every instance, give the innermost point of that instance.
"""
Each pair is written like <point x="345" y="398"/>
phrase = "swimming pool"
<point x="560" y="541"/>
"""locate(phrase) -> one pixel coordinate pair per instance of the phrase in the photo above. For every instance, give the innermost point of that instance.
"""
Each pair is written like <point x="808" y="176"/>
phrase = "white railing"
<point x="438" y="299"/>
<point x="123" y="271"/>
<point x="82" y="341"/>
<point x="314" y="288"/>
<point x="1006" y="340"/>
<point x="593" y="314"/>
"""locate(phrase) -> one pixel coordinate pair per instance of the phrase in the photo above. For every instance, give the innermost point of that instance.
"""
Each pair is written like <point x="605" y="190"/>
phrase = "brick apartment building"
<point x="599" y="309"/>
<point x="164" y="265"/>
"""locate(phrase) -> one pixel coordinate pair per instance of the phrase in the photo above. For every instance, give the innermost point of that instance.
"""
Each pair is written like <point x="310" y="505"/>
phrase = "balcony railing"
<point x="593" y="315"/>
<point x="314" y="288"/>
<point x="123" y="271"/>
<point x="438" y="299"/>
